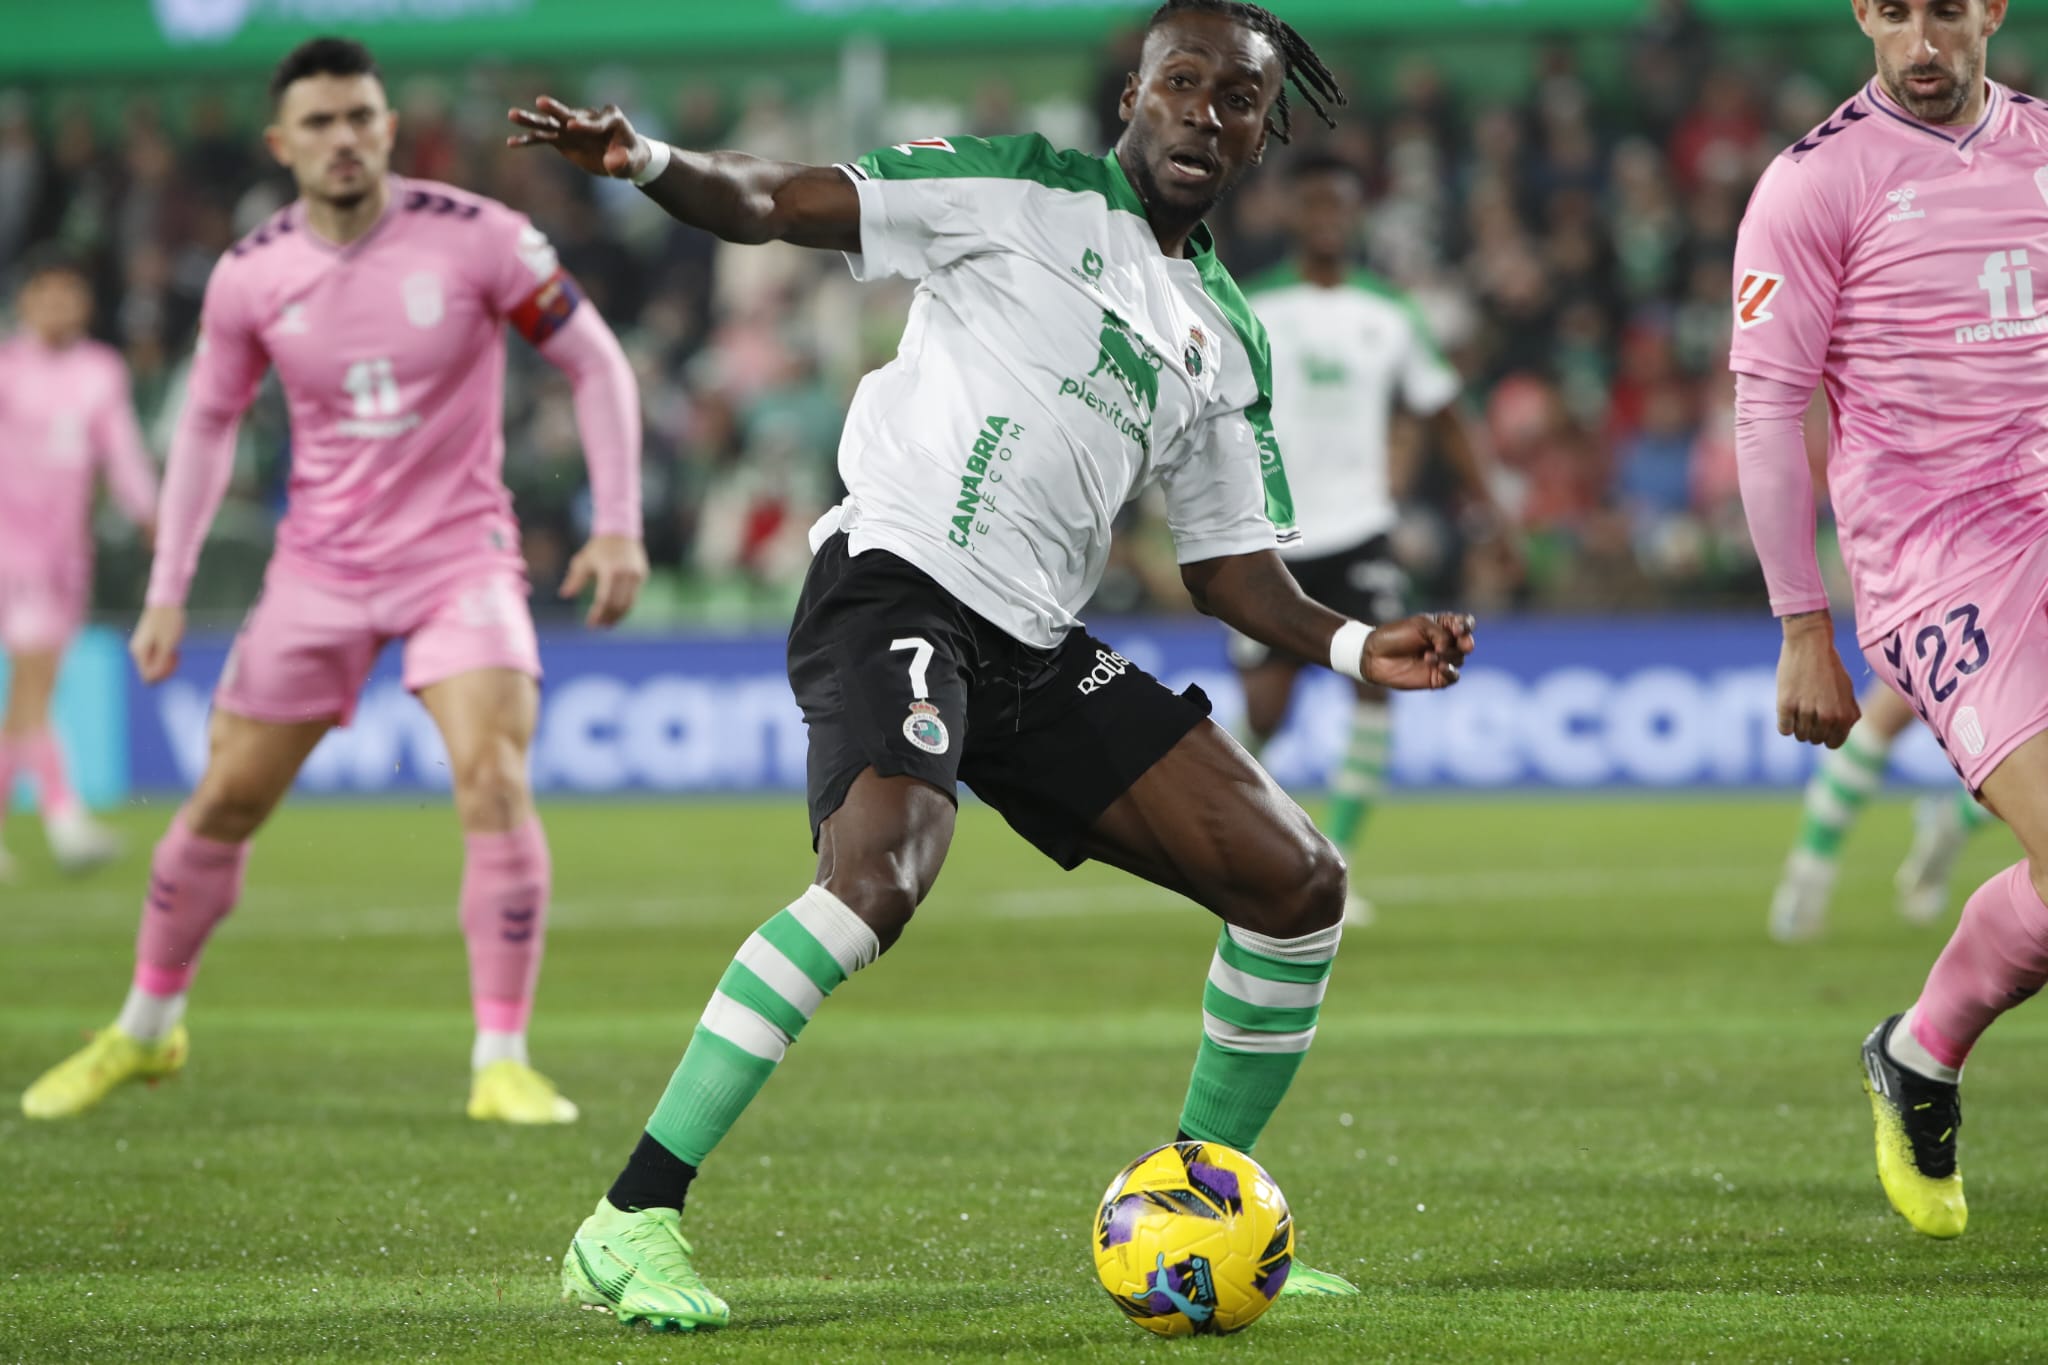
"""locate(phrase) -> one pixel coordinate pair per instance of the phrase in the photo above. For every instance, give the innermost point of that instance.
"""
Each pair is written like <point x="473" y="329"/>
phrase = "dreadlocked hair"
<point x="1304" y="69"/>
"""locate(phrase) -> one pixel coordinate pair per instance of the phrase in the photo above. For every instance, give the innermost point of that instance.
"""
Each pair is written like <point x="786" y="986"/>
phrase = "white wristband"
<point x="1347" y="649"/>
<point x="658" y="154"/>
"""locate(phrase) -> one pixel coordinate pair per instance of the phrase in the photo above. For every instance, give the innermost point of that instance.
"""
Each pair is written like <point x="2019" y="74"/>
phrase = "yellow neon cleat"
<point x="1917" y="1120"/>
<point x="83" y="1079"/>
<point x="513" y="1092"/>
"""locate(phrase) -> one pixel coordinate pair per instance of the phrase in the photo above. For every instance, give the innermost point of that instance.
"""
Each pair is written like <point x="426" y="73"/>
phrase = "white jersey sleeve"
<point x="925" y="205"/>
<point x="1216" y="497"/>
<point x="1428" y="382"/>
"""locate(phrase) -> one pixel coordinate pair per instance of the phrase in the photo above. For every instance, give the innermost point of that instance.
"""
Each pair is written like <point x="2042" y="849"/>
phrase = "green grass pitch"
<point x="1567" y="1103"/>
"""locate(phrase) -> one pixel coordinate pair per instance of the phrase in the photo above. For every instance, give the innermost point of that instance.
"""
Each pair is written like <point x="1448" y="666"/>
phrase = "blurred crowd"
<point x="1571" y="252"/>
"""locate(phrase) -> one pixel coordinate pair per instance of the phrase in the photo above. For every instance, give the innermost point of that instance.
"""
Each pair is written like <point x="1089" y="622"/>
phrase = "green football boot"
<point x="636" y="1266"/>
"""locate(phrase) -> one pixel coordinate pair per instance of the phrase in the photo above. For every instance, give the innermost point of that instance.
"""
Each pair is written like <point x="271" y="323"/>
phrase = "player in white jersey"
<point x="1347" y="347"/>
<point x="1073" y="339"/>
<point x="1845" y="779"/>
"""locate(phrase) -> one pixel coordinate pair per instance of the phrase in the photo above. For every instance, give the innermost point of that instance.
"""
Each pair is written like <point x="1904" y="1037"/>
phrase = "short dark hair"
<point x="1298" y="61"/>
<point x="326" y="56"/>
<point x="53" y="258"/>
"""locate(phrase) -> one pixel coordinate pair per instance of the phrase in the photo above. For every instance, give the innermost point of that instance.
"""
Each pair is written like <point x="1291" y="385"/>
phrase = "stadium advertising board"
<point x="159" y="36"/>
<point x="1676" y="703"/>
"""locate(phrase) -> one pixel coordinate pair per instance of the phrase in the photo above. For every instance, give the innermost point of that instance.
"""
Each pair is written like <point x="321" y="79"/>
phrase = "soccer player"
<point x="1888" y="255"/>
<point x="381" y="302"/>
<point x="1073" y="338"/>
<point x="1835" y="796"/>
<point x="1346" y="348"/>
<point x="65" y="419"/>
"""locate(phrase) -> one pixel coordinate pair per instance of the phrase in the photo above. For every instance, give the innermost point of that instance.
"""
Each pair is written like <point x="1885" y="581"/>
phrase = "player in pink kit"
<point x="65" y="420"/>
<point x="1890" y="256"/>
<point x="381" y="302"/>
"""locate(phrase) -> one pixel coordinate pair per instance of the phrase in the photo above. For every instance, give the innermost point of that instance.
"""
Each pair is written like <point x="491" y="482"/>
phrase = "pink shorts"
<point x="1975" y="664"/>
<point x="40" y="613"/>
<point x="310" y="641"/>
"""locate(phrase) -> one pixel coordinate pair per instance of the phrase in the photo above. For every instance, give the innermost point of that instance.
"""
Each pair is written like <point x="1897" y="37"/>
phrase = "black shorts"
<point x="1365" y="582"/>
<point x="894" y="673"/>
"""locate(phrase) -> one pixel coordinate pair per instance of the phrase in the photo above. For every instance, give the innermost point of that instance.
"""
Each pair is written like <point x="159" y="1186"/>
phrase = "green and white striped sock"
<point x="1361" y="778"/>
<point x="776" y="982"/>
<point x="1258" y="1019"/>
<point x="1844" y="781"/>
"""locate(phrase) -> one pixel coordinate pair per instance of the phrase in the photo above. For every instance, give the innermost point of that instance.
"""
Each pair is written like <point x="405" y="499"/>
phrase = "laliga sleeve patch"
<point x="1753" y="298"/>
<point x="547" y="308"/>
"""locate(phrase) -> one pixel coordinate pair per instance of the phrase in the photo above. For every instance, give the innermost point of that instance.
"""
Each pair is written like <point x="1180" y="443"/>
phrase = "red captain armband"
<point x="547" y="308"/>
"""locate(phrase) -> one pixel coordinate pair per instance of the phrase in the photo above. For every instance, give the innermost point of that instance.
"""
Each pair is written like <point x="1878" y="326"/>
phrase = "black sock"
<point x="654" y="1178"/>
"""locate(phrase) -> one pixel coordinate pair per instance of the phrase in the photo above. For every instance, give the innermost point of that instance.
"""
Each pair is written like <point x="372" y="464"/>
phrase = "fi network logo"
<point x="2008" y="271"/>
<point x="2007" y="280"/>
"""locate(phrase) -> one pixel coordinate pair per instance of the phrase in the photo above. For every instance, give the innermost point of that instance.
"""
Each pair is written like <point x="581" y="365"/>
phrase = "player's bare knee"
<point x="1324" y="885"/>
<point x="884" y="899"/>
<point x="491" y="790"/>
<point x="1315" y="900"/>
<point x="228" y="808"/>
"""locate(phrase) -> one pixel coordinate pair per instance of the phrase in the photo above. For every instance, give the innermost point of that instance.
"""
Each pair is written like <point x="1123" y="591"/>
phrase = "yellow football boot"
<point x="513" y="1092"/>
<point x="83" y="1079"/>
<point x="1917" y="1120"/>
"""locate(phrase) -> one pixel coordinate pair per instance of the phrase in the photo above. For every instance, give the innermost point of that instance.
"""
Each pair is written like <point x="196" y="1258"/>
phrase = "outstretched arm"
<point x="1257" y="595"/>
<point x="736" y="197"/>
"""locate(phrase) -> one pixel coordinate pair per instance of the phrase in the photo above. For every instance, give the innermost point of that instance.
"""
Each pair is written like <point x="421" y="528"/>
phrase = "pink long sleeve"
<point x="196" y="478"/>
<point x="130" y="473"/>
<point x="607" y="416"/>
<point x="1777" y="489"/>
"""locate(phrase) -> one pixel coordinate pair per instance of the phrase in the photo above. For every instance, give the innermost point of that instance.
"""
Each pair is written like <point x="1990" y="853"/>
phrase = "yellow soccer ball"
<point x="1193" y="1237"/>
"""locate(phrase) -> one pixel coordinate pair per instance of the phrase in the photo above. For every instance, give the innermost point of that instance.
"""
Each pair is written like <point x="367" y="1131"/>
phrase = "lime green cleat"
<point x="636" y="1266"/>
<point x="83" y="1079"/>
<point x="513" y="1092"/>
<point x="1302" y="1281"/>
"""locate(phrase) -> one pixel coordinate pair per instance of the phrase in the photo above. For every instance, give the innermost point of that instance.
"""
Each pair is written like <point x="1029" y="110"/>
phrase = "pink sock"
<point x="505" y="883"/>
<point x="6" y="775"/>
<point x="193" y="883"/>
<point x="39" y="754"/>
<point x="1997" y="958"/>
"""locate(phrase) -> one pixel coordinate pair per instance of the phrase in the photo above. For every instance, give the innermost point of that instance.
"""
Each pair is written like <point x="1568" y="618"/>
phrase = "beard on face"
<point x="1153" y="193"/>
<point x="1942" y="106"/>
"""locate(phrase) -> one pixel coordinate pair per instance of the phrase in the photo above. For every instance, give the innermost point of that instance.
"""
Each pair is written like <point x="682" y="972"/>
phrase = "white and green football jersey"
<point x="1054" y="365"/>
<point x="1341" y="356"/>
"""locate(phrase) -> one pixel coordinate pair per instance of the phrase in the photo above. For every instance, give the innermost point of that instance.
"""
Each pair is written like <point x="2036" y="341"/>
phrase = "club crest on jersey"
<point x="924" y="728"/>
<point x="1970" y="730"/>
<point x="423" y="305"/>
<point x="1198" y="340"/>
<point x="1753" y="297"/>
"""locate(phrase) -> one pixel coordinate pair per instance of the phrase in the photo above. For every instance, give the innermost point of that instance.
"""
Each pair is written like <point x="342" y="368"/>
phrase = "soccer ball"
<point x="1193" y="1237"/>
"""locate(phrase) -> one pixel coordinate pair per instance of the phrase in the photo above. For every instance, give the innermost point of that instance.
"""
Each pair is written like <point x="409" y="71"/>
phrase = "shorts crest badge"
<point x="925" y="729"/>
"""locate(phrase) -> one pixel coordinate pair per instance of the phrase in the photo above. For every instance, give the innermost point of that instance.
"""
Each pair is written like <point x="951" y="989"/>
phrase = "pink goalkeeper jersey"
<point x="1893" y="262"/>
<point x="65" y="416"/>
<point x="392" y="358"/>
